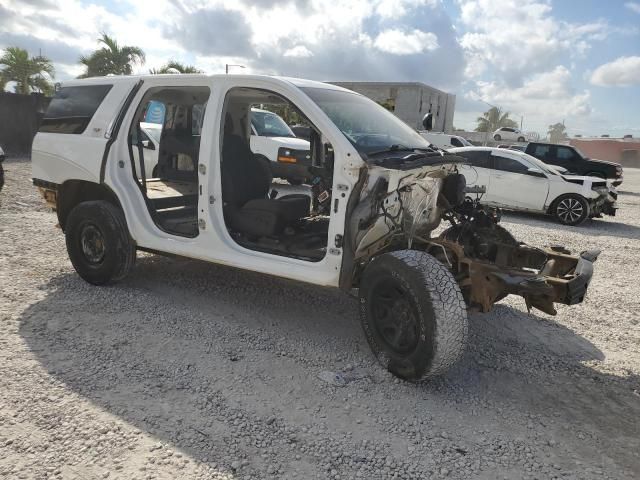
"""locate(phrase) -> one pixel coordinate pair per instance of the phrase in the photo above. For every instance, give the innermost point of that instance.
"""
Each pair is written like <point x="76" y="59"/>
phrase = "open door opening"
<point x="164" y="148"/>
<point x="289" y="219"/>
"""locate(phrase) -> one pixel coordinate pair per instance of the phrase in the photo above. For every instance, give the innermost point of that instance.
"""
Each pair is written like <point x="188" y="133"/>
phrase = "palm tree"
<point x="173" y="66"/>
<point x="31" y="74"/>
<point x="492" y="119"/>
<point x="111" y="59"/>
<point x="557" y="132"/>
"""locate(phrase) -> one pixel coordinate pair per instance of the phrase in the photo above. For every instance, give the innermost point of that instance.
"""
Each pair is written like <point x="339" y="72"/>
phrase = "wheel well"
<point x="73" y="192"/>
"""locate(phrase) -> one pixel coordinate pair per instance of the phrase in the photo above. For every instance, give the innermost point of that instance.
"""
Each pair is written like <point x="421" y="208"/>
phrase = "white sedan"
<point x="517" y="181"/>
<point x="509" y="134"/>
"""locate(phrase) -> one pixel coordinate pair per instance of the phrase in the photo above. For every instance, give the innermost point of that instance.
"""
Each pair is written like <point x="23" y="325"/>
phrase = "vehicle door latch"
<point x="202" y="224"/>
<point x="338" y="241"/>
<point x="202" y="169"/>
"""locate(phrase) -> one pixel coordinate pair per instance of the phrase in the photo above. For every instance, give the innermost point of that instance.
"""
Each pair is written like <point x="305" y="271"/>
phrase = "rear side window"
<point x="477" y="159"/>
<point x="509" y="165"/>
<point x="72" y="108"/>
<point x="565" y="153"/>
<point x="455" y="142"/>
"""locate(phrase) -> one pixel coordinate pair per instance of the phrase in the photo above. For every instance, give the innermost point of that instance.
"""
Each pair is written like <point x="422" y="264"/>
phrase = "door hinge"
<point x="334" y="251"/>
<point x="202" y="169"/>
<point x="212" y="199"/>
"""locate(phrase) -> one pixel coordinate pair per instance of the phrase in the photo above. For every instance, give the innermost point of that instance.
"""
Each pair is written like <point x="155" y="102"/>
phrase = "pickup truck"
<point x="574" y="161"/>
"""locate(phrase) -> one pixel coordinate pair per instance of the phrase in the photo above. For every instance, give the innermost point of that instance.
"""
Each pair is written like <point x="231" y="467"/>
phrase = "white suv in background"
<point x="272" y="139"/>
<point x="444" y="141"/>
<point x="509" y="134"/>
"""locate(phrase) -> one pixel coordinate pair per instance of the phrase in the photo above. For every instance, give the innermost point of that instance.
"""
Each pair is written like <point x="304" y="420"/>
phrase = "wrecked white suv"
<point x="364" y="224"/>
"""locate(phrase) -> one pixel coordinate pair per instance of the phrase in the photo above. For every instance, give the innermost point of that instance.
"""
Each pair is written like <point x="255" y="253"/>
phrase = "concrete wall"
<point x="410" y="101"/>
<point x="624" y="151"/>
<point x="20" y="117"/>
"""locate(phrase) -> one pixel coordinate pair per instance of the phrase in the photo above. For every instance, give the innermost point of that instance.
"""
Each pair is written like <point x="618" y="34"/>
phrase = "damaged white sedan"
<point x="514" y="180"/>
<point x="366" y="227"/>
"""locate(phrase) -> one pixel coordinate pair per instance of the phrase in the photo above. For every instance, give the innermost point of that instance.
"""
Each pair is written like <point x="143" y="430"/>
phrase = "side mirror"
<point x="148" y="145"/>
<point x="427" y="122"/>
<point x="536" y="172"/>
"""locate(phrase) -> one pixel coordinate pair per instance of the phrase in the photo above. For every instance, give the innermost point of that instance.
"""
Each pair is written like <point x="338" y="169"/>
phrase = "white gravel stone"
<point x="192" y="370"/>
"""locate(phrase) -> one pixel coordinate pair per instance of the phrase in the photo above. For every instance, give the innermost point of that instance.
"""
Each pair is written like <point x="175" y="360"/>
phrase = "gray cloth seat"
<point x="246" y="181"/>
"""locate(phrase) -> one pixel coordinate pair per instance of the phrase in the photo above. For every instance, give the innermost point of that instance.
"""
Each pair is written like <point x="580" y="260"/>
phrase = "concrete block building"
<point x="410" y="101"/>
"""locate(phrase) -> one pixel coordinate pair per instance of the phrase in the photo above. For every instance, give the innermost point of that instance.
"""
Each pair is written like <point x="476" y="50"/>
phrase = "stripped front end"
<point x="401" y="208"/>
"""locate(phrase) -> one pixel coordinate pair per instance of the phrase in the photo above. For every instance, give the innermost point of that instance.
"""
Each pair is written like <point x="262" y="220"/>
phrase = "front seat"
<point x="246" y="181"/>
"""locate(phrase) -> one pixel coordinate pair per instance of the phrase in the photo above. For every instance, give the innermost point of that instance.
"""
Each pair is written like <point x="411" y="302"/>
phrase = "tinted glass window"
<point x="72" y="108"/>
<point x="505" y="129"/>
<point x="509" y="165"/>
<point x="565" y="153"/>
<point x="477" y="159"/>
<point x="455" y="142"/>
<point x="269" y="124"/>
<point x="541" y="151"/>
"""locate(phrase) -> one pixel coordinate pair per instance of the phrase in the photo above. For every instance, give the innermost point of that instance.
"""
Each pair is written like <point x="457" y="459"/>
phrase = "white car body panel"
<point x="443" y="140"/>
<point x="58" y="157"/>
<point x="61" y="157"/>
<point x="514" y="191"/>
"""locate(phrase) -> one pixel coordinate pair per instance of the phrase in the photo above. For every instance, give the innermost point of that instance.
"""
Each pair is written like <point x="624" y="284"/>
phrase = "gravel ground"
<point x="192" y="370"/>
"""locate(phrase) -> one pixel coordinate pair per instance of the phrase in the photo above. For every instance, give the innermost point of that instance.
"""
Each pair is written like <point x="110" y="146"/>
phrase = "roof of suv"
<point x="298" y="82"/>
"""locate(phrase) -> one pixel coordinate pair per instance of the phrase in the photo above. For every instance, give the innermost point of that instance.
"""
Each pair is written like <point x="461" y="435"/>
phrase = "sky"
<point x="544" y="61"/>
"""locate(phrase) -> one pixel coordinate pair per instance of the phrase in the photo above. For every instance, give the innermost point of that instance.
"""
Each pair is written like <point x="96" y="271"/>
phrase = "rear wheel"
<point x="571" y="209"/>
<point x="98" y="242"/>
<point x="413" y="314"/>
<point x="497" y="138"/>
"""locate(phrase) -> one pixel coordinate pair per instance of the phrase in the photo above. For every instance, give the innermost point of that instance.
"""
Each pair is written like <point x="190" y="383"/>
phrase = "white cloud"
<point x="623" y="71"/>
<point x="399" y="8"/>
<point x="633" y="6"/>
<point x="299" y="51"/>
<point x="518" y="37"/>
<point x="400" y="43"/>
<point x="542" y="99"/>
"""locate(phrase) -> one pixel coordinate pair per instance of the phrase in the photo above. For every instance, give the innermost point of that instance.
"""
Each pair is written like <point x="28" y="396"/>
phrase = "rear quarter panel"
<point x="57" y="157"/>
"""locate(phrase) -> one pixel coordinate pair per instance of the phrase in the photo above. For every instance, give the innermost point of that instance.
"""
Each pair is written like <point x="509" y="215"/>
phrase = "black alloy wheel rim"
<point x="92" y="243"/>
<point x="570" y="210"/>
<point x="395" y="317"/>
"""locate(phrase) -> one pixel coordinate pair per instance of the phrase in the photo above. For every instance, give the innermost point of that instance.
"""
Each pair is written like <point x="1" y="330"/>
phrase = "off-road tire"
<point x="497" y="138"/>
<point x="435" y="301"/>
<point x="116" y="250"/>
<point x="569" y="202"/>
<point x="521" y="139"/>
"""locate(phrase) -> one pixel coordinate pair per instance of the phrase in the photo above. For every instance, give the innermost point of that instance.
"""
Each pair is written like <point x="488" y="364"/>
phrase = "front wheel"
<point x="413" y="314"/>
<point x="98" y="242"/>
<point x="521" y="139"/>
<point x="571" y="209"/>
